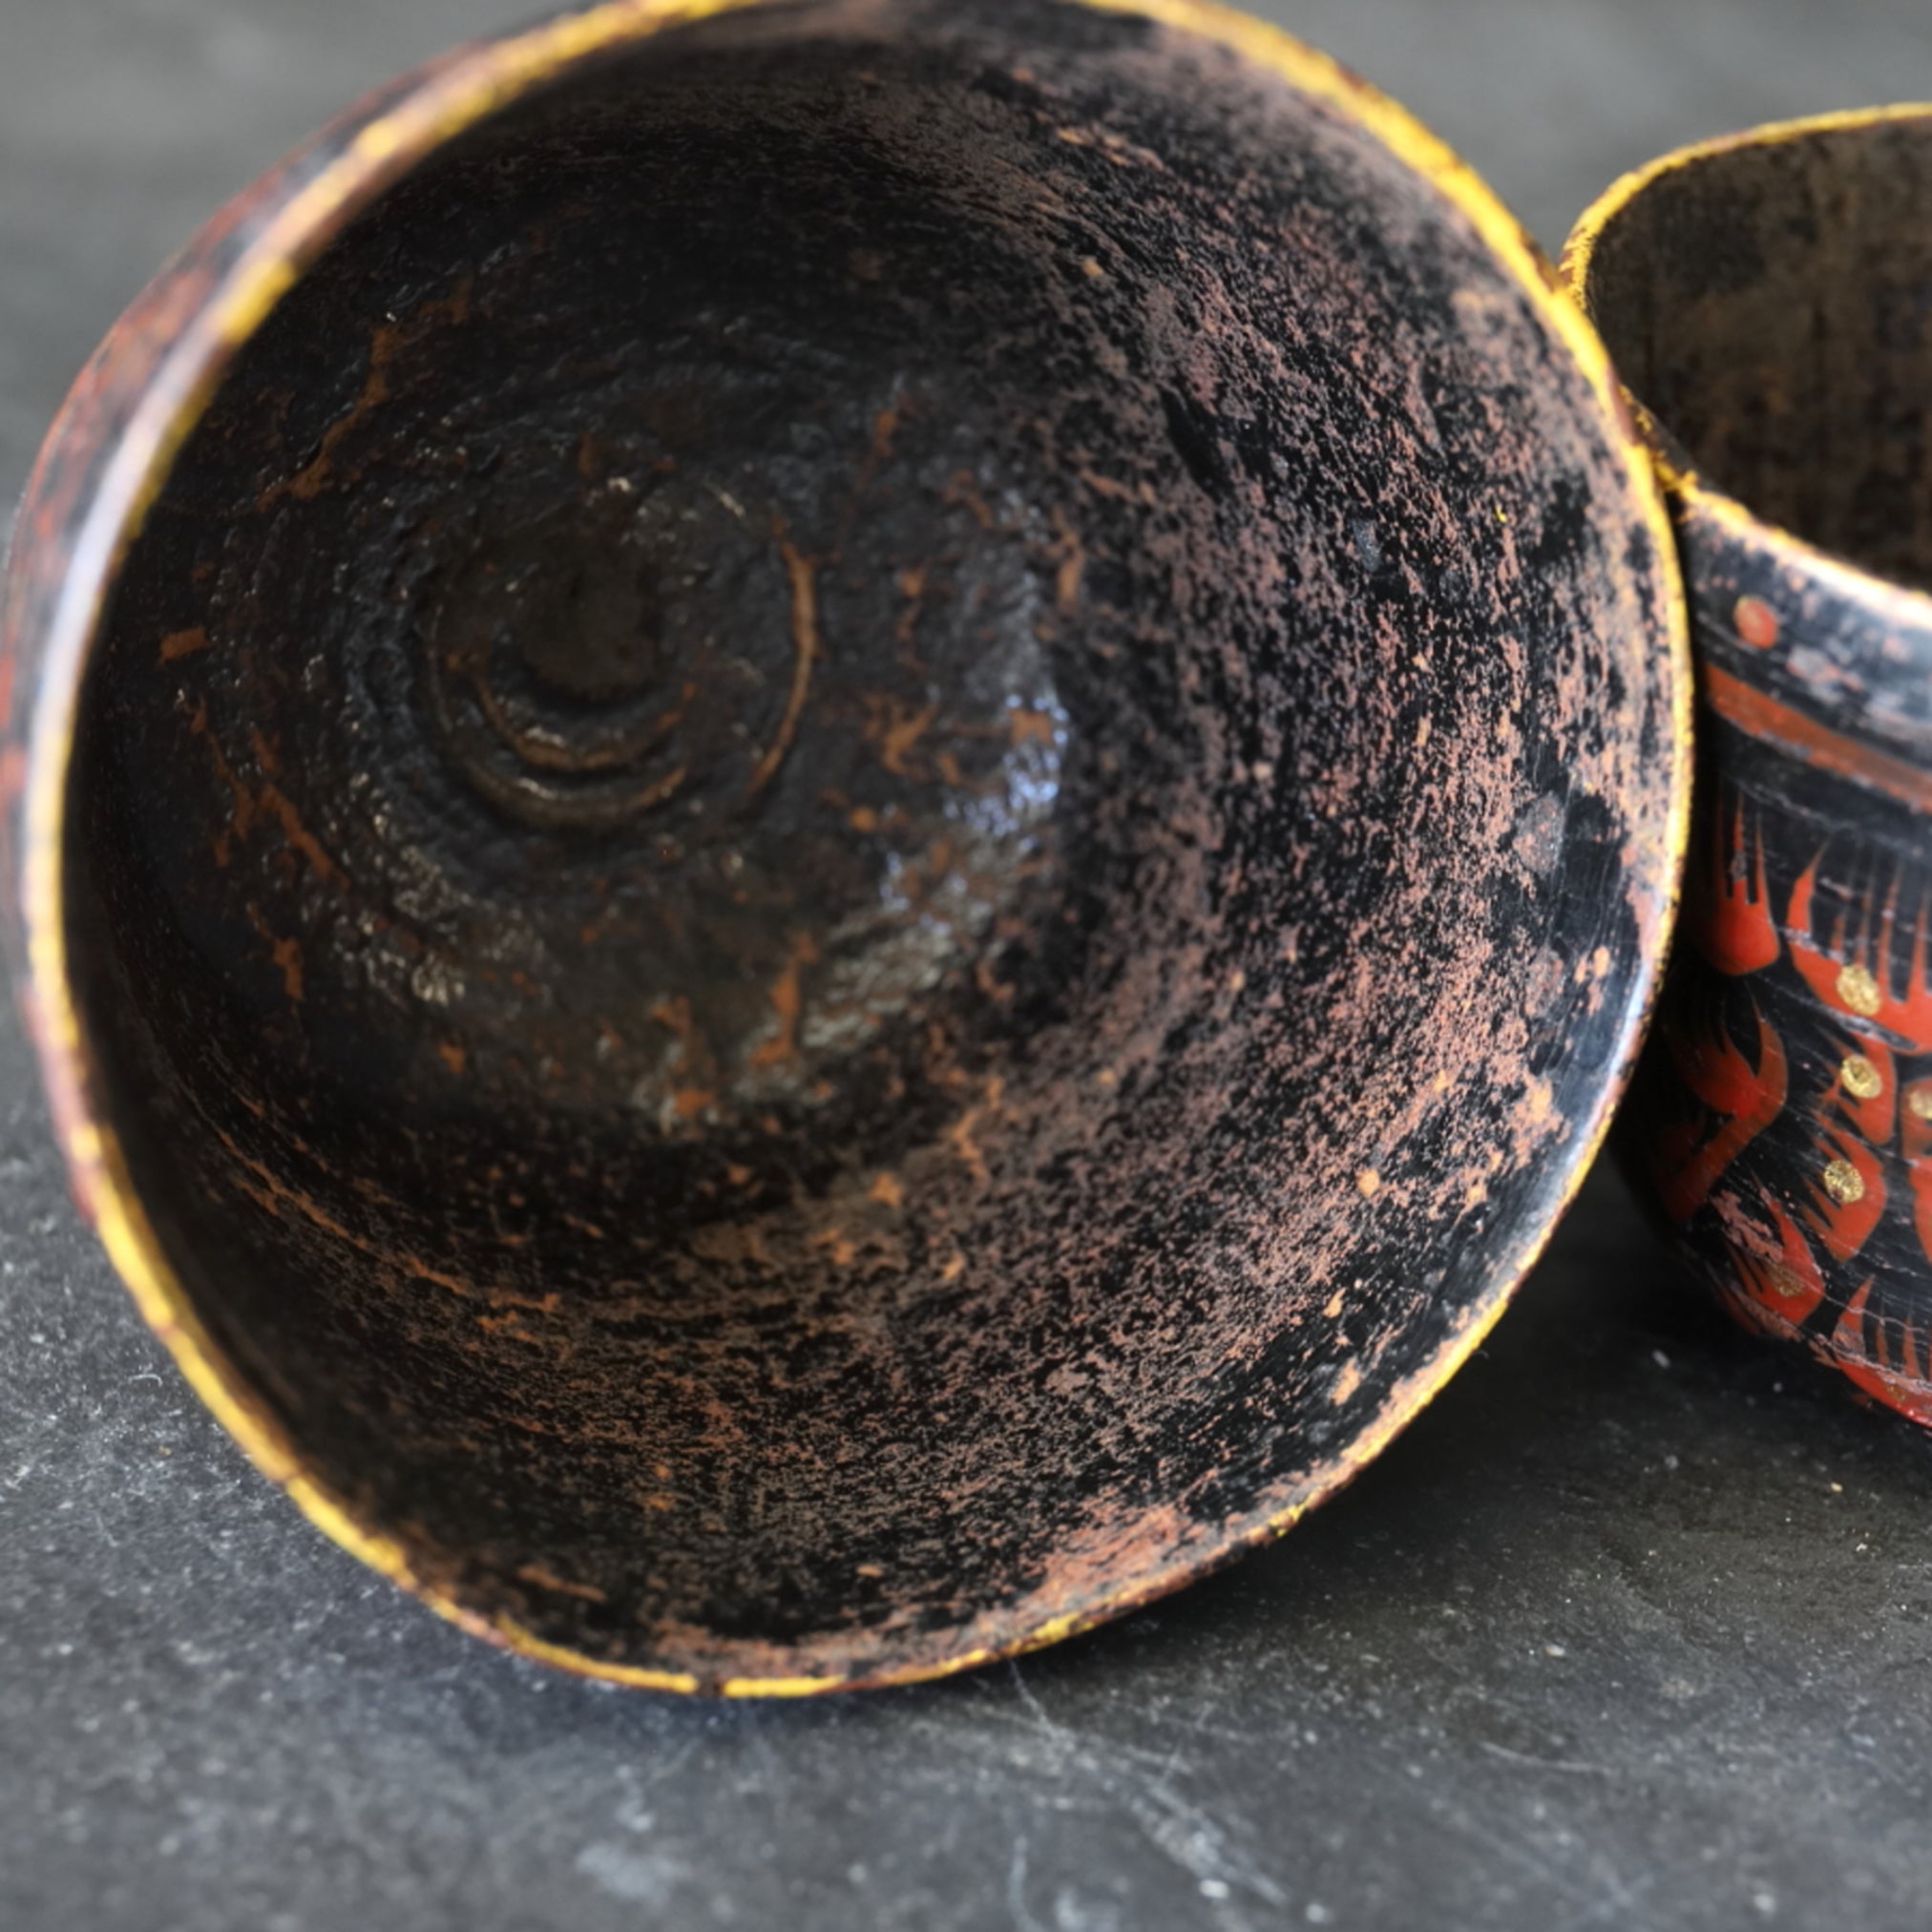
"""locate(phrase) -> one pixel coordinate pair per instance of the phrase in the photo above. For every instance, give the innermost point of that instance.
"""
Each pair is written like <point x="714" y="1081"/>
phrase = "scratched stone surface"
<point x="1631" y="1630"/>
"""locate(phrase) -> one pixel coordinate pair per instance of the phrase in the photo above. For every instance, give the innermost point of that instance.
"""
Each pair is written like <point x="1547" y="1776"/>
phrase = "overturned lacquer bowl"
<point x="837" y="822"/>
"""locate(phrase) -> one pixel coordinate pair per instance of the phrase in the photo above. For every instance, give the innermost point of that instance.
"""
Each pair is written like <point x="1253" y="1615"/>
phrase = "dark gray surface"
<point x="1631" y="1630"/>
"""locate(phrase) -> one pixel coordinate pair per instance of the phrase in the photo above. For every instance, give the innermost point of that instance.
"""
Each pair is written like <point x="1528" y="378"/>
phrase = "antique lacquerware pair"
<point x="834" y="823"/>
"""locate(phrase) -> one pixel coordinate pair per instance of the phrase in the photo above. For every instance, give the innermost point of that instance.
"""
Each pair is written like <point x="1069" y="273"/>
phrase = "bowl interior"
<point x="1771" y="304"/>
<point x="870" y="829"/>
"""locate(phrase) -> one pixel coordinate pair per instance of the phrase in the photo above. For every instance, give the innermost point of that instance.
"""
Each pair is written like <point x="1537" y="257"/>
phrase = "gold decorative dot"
<point x="1861" y="1077"/>
<point x="1368" y="1180"/>
<point x="1843" y="1183"/>
<point x="1919" y="1102"/>
<point x="1859" y="990"/>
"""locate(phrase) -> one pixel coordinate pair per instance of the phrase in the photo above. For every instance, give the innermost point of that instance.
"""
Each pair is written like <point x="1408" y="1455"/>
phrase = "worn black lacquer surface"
<point x="868" y="830"/>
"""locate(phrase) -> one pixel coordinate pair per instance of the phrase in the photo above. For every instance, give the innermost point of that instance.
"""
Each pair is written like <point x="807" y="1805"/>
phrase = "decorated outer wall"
<point x="1766" y="299"/>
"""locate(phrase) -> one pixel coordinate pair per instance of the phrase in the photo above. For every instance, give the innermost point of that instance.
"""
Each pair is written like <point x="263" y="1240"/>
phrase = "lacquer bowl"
<point x="1769" y="300"/>
<point x="836" y="822"/>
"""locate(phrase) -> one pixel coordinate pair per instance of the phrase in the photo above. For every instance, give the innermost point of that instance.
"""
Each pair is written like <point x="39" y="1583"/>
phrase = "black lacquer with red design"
<point x="1770" y="301"/>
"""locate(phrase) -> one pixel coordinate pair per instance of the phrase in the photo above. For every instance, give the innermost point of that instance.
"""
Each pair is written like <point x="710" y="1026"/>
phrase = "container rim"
<point x="1886" y="600"/>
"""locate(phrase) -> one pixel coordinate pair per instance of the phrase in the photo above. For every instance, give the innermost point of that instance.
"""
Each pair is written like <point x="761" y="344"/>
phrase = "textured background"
<point x="1631" y="1630"/>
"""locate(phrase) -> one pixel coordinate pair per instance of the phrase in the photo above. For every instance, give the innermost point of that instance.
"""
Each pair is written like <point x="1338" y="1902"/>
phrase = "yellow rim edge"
<point x="1897" y="602"/>
<point x="449" y="101"/>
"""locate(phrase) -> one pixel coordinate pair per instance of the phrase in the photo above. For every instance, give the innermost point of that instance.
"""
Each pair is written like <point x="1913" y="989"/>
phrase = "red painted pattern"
<point x="1742" y="1093"/>
<point x="1869" y="948"/>
<point x="1729" y="911"/>
<point x="1829" y="1040"/>
<point x="1779" y="1276"/>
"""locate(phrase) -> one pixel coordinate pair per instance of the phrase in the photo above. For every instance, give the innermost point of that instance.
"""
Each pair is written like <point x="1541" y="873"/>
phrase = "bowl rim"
<point x="297" y="210"/>
<point x="1883" y="599"/>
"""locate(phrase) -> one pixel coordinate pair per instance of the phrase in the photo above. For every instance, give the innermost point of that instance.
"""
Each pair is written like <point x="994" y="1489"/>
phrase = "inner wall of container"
<point x="829" y="846"/>
<point x="1773" y="307"/>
